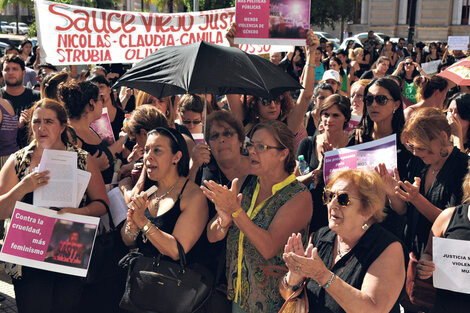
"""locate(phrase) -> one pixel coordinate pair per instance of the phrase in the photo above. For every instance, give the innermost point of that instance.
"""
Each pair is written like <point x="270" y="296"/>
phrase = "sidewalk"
<point x="6" y="289"/>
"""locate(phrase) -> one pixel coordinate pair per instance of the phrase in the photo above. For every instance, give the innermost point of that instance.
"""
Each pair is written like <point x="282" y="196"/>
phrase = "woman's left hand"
<point x="407" y="191"/>
<point x="310" y="265"/>
<point x="225" y="200"/>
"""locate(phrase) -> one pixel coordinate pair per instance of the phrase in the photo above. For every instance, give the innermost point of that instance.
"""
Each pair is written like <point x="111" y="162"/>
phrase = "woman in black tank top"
<point x="176" y="211"/>
<point x="452" y="223"/>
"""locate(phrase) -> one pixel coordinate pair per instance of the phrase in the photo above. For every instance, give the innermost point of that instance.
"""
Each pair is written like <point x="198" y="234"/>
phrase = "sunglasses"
<point x="260" y="147"/>
<point x="267" y="102"/>
<point x="408" y="64"/>
<point x="342" y="197"/>
<point x="226" y="133"/>
<point x="380" y="99"/>
<point x="195" y="122"/>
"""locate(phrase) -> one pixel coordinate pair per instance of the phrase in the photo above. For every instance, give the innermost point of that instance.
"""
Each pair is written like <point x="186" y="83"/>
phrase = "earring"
<point x="394" y="111"/>
<point x="443" y="152"/>
<point x="365" y="227"/>
<point x="174" y="163"/>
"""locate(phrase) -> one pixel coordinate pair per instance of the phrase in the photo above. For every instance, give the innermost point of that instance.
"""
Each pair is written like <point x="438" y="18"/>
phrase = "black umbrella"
<point x="207" y="68"/>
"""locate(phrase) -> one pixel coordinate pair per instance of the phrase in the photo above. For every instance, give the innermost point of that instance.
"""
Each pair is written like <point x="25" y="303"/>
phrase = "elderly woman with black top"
<point x="452" y="223"/>
<point x="257" y="215"/>
<point x="353" y="265"/>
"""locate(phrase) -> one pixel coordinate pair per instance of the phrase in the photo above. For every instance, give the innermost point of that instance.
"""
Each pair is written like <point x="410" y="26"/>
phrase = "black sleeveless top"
<point x="446" y="300"/>
<point x="351" y="268"/>
<point x="165" y="222"/>
<point x="103" y="148"/>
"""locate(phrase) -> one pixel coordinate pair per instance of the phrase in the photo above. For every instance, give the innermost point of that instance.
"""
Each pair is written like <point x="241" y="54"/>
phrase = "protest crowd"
<point x="248" y="199"/>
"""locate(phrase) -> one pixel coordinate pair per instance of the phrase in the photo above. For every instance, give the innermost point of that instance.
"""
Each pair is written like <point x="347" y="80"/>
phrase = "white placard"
<point x="430" y="67"/>
<point x="452" y="260"/>
<point x="458" y="42"/>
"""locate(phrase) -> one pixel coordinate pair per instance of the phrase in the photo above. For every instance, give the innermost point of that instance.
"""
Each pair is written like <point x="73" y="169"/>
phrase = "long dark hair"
<point x="462" y="100"/>
<point x="398" y="121"/>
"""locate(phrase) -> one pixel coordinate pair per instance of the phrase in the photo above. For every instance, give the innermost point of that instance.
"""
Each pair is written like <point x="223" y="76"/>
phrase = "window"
<point x="465" y="11"/>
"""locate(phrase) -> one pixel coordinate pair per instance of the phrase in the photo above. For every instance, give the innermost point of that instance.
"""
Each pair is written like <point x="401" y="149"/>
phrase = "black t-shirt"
<point x="19" y="103"/>
<point x="23" y="101"/>
<point x="367" y="75"/>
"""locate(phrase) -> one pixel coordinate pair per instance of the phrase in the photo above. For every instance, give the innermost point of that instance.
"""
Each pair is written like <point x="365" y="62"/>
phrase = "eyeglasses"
<point x="343" y="198"/>
<point x="226" y="133"/>
<point x="267" y="102"/>
<point x="412" y="147"/>
<point x="260" y="147"/>
<point x="380" y="99"/>
<point x="195" y="122"/>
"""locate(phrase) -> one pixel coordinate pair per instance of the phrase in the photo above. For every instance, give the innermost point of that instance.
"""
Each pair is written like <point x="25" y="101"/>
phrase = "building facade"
<point x="434" y="19"/>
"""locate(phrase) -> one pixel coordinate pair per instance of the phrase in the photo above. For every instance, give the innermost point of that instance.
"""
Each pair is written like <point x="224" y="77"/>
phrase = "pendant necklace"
<point x="158" y="198"/>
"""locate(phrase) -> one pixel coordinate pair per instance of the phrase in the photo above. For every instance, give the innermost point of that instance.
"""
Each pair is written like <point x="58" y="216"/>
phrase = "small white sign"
<point x="458" y="42"/>
<point x="452" y="260"/>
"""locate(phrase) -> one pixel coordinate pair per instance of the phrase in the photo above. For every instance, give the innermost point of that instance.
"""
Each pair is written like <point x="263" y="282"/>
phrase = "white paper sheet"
<point x="452" y="260"/>
<point x="430" y="67"/>
<point x="117" y="206"/>
<point x="61" y="190"/>
<point x="458" y="42"/>
<point x="83" y="178"/>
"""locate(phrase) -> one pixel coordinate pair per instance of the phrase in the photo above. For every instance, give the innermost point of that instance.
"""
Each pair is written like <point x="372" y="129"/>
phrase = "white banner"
<point x="452" y="260"/>
<point x="70" y="34"/>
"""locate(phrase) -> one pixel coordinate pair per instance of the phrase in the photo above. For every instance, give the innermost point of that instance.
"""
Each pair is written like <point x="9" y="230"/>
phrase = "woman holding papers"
<point x="257" y="215"/>
<point x="382" y="117"/>
<point x="39" y="290"/>
<point x="452" y="223"/>
<point x="353" y="265"/>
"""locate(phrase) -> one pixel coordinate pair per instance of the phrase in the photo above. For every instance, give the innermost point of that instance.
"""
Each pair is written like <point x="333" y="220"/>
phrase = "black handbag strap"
<point x="181" y="253"/>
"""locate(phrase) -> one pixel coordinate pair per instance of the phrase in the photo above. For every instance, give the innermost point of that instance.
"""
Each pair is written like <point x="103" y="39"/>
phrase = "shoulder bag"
<point x="164" y="286"/>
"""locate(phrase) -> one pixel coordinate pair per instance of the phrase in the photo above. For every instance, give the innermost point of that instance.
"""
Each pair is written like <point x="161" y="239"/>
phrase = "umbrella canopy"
<point x="459" y="72"/>
<point x="207" y="68"/>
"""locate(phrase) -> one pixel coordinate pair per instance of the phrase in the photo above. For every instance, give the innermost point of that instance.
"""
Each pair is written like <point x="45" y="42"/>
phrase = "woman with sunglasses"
<point x="354" y="264"/>
<point x="382" y="117"/>
<point x="335" y="113"/>
<point x="190" y="108"/>
<point x="407" y="70"/>
<point x="282" y="107"/>
<point x="257" y="215"/>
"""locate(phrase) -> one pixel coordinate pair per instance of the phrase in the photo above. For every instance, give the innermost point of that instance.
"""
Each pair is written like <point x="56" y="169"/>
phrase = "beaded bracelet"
<point x="291" y="287"/>
<point x="129" y="233"/>
<point x="329" y="282"/>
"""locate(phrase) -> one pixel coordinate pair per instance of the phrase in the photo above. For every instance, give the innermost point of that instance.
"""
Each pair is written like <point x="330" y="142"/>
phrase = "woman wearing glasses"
<point x="190" y="108"/>
<point x="435" y="176"/>
<point x="353" y="264"/>
<point x="257" y="215"/>
<point x="382" y="117"/>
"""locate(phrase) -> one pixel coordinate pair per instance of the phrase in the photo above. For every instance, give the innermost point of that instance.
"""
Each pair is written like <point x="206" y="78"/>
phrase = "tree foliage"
<point x="327" y="13"/>
<point x="16" y="3"/>
<point x="210" y="4"/>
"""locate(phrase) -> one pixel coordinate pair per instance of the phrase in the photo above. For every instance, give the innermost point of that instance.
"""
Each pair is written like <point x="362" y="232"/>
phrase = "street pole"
<point x="195" y="5"/>
<point x="411" y="29"/>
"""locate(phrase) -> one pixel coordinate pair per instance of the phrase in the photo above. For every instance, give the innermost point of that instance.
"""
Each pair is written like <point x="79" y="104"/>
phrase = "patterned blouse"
<point x="259" y="277"/>
<point x="23" y="168"/>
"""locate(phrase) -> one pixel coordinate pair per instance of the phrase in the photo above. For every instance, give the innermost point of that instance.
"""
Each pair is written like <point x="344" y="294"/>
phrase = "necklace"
<point x="339" y="252"/>
<point x="158" y="198"/>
